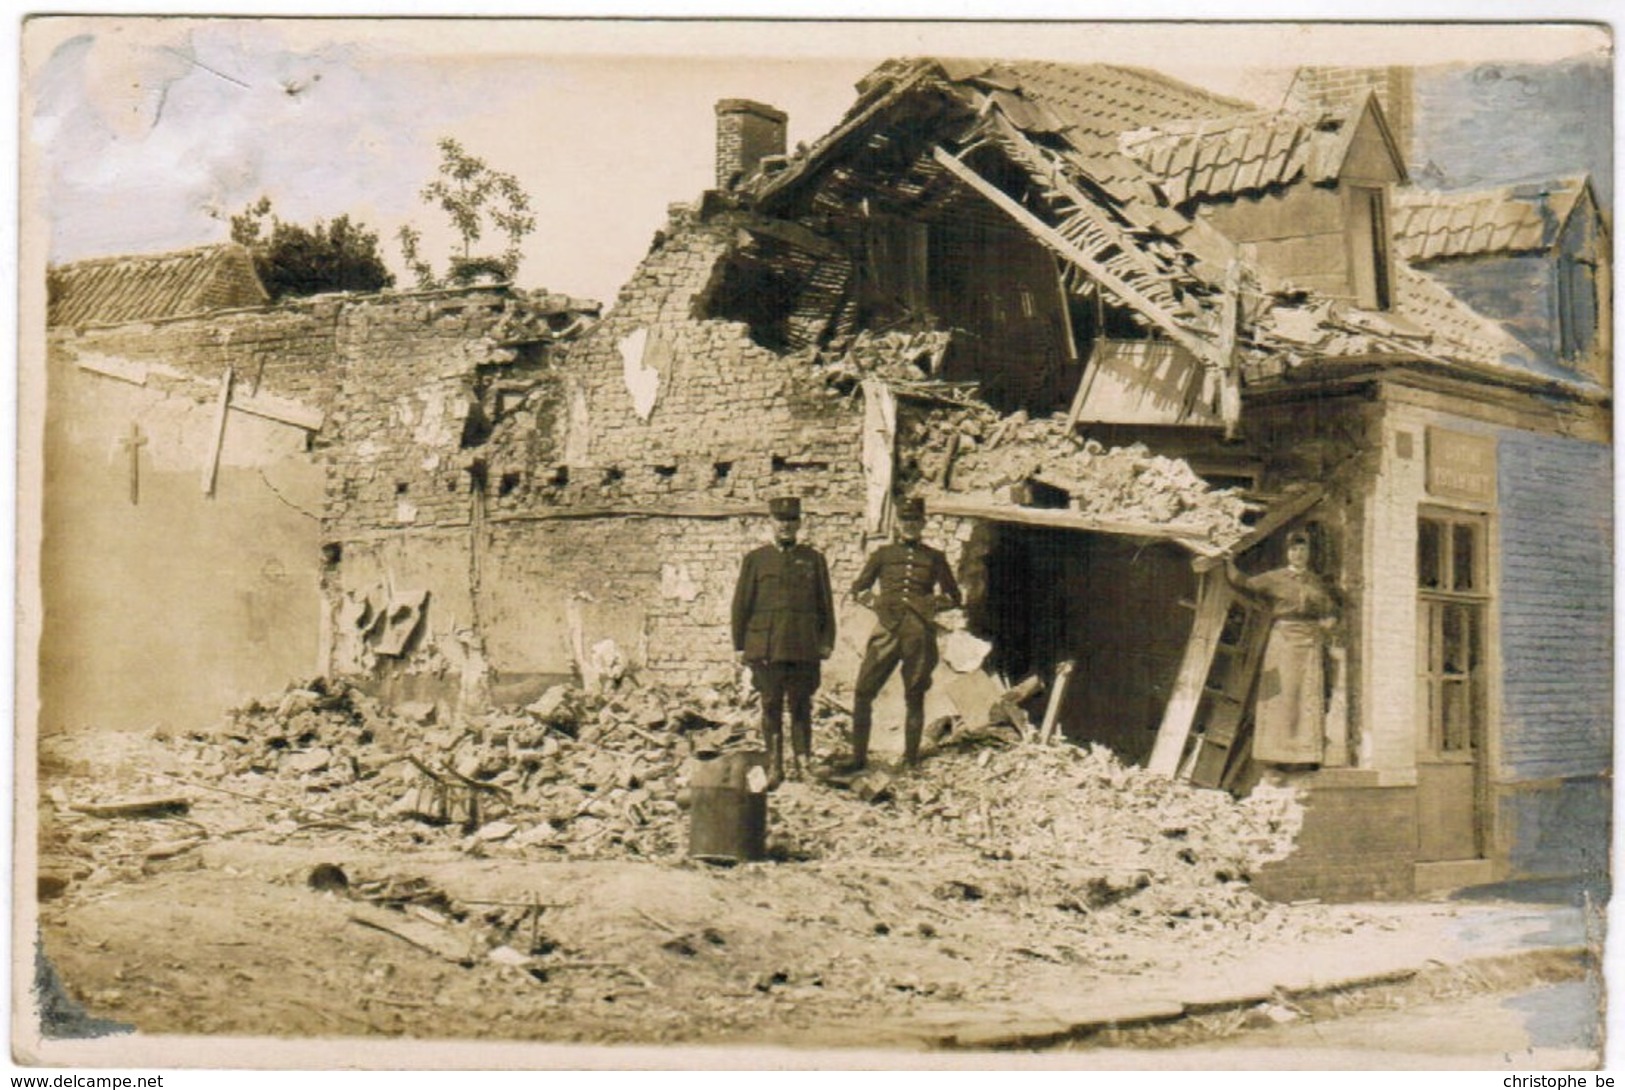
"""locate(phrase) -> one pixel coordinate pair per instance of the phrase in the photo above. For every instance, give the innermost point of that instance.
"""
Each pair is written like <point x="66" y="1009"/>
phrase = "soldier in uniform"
<point x="783" y="628"/>
<point x="909" y="574"/>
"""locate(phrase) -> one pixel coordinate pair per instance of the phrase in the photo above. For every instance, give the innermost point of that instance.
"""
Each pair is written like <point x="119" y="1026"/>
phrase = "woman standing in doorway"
<point x="1289" y="715"/>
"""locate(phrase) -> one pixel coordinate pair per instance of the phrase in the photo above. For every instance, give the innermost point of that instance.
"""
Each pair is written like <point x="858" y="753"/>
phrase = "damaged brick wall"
<point x="413" y="393"/>
<point x="286" y="351"/>
<point x="664" y="405"/>
<point x="642" y="475"/>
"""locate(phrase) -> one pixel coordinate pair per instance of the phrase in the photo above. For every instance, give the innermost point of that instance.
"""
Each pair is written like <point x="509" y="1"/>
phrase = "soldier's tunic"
<point x="783" y="610"/>
<point x="784" y="624"/>
<point x="907" y="577"/>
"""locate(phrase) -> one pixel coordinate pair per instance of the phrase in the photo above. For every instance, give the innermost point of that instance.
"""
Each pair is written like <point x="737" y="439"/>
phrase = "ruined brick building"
<point x="1106" y="323"/>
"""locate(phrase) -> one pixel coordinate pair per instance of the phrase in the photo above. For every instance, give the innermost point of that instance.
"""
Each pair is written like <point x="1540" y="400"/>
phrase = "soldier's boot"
<point x="862" y="717"/>
<point x="913" y="729"/>
<point x="774" y="737"/>
<point x="800" y="748"/>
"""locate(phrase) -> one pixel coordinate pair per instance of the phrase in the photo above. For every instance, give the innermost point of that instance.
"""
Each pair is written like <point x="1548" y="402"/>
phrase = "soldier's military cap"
<point x="784" y="507"/>
<point x="911" y="509"/>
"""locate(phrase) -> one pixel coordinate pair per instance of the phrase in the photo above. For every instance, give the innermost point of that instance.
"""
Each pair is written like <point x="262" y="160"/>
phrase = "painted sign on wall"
<point x="1461" y="466"/>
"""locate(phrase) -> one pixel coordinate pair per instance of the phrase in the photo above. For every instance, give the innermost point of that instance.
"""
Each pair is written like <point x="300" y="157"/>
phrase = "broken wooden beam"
<point x="1063" y="518"/>
<point x="1057" y="242"/>
<point x="1229" y="372"/>
<point x="1280" y="513"/>
<point x="211" y="465"/>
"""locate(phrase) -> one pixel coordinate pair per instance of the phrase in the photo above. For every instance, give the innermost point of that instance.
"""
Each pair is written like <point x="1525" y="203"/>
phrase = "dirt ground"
<point x="254" y="914"/>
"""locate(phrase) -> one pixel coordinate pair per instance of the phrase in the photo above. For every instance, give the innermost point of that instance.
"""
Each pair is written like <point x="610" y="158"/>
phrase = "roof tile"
<point x="1512" y="218"/>
<point x="149" y="287"/>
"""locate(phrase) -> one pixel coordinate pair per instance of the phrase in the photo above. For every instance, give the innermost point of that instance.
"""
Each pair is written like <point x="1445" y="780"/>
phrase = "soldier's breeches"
<point x="781" y="683"/>
<point x="915" y="647"/>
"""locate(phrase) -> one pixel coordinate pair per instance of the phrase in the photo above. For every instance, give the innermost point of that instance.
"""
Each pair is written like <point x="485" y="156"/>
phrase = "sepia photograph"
<point x="813" y="544"/>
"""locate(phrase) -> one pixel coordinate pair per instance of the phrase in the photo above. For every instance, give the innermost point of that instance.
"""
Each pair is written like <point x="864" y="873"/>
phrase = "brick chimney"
<point x="747" y="133"/>
<point x="1315" y="88"/>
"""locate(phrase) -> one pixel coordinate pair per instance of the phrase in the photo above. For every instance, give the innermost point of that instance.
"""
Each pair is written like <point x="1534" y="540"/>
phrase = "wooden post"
<point x="1063" y="674"/>
<point x="133" y="443"/>
<point x="1229" y="380"/>
<point x="212" y="465"/>
<point x="1090" y="369"/>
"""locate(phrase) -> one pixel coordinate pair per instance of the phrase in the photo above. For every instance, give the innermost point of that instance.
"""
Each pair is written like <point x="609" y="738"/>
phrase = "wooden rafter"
<point x="1082" y="222"/>
<point x="1077" y="255"/>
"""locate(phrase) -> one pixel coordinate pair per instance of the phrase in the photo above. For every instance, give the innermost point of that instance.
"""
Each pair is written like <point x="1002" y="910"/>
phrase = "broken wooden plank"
<point x="1058" y="517"/>
<point x="162" y="806"/>
<point x="211" y="465"/>
<point x="1058" y="243"/>
<point x="280" y="409"/>
<point x="130" y="371"/>
<point x="878" y="453"/>
<point x="1213" y="602"/>
<point x="945" y="475"/>
<point x="681" y="511"/>
<point x="786" y="231"/>
<point x="1279" y="514"/>
<point x="425" y="936"/>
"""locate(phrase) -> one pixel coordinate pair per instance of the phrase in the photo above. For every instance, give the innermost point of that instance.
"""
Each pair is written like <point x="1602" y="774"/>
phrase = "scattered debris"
<point x="171" y="806"/>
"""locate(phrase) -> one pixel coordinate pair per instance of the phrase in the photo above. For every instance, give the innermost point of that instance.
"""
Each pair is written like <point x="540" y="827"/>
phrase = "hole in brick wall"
<point x="561" y="476"/>
<point x="665" y="473"/>
<point x="720" y="470"/>
<point x="400" y="488"/>
<point x="478" y="476"/>
<point x="451" y="484"/>
<point x="476" y="428"/>
<point x="509" y="482"/>
<point x="782" y="464"/>
<point x="332" y="553"/>
<point x="614" y="475"/>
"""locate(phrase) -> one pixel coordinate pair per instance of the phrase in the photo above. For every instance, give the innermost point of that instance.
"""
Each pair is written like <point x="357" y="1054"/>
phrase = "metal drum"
<point x="728" y="807"/>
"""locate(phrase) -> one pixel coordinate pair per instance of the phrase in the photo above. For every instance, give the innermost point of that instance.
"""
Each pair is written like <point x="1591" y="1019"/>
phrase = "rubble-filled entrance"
<point x="1117" y="608"/>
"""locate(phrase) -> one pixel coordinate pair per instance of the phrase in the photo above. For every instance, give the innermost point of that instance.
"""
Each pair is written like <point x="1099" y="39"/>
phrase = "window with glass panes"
<point x="1451" y="598"/>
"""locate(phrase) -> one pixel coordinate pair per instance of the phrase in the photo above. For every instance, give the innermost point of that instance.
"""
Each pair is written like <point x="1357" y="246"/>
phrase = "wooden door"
<point x="1450" y="618"/>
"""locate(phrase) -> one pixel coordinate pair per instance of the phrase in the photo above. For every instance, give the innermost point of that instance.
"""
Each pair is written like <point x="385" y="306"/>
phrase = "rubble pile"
<point x="974" y="451"/>
<point x="1085" y="831"/>
<point x="896" y="355"/>
<point x="578" y="774"/>
<point x="584" y="775"/>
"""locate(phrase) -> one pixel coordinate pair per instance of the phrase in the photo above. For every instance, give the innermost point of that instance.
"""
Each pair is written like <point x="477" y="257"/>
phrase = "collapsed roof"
<point x="1110" y="169"/>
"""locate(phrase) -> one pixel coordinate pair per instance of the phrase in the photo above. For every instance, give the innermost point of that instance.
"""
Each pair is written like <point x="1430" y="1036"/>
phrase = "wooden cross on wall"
<point x="133" y="443"/>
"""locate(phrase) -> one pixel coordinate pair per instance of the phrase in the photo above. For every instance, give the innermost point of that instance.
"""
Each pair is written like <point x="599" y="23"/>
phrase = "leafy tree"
<point x="476" y="198"/>
<point x="328" y="256"/>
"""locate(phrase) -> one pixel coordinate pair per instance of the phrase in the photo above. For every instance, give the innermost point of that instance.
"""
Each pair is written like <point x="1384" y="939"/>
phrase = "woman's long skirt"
<point x="1289" y="717"/>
